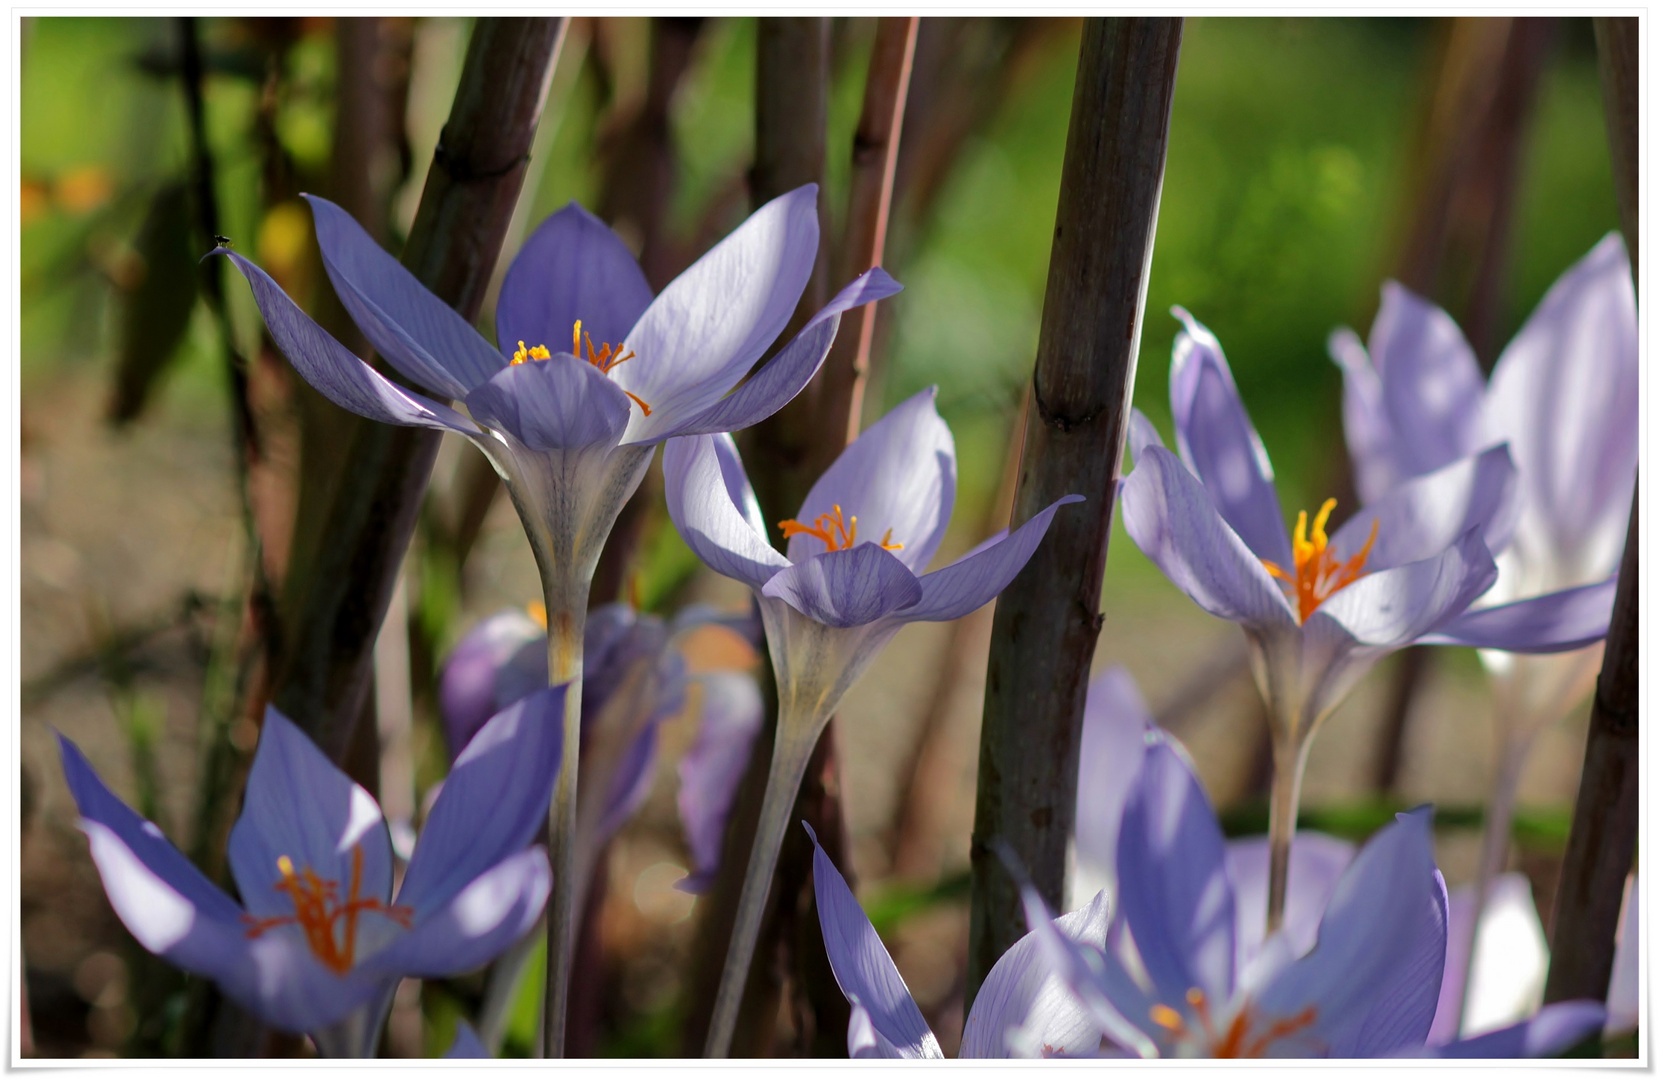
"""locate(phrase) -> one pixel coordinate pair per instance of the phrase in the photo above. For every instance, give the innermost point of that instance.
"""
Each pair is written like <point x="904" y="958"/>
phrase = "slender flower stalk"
<point x="1319" y="608"/>
<point x="852" y="576"/>
<point x="572" y="433"/>
<point x="1563" y="397"/>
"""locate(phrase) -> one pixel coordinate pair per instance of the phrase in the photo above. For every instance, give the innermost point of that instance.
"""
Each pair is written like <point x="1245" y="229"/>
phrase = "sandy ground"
<point x="118" y="527"/>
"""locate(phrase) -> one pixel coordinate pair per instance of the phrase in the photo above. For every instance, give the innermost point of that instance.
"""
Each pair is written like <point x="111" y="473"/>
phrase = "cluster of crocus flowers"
<point x="834" y="598"/>
<point x="1318" y="613"/>
<point x="1563" y="397"/>
<point x="319" y="943"/>
<point x="572" y="433"/>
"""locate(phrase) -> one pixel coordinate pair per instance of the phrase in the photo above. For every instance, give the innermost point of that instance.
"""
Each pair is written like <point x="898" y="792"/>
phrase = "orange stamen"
<point x="1316" y="574"/>
<point x="1236" y="1041"/>
<point x="837" y="534"/>
<point x="317" y="908"/>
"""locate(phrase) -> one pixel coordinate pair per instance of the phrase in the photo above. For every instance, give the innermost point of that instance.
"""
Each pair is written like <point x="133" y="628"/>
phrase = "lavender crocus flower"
<point x="851" y="577"/>
<point x="1564" y="397"/>
<point x="1022" y="1009"/>
<point x="571" y="433"/>
<point x="1368" y="986"/>
<point x="1319" y="610"/>
<point x="318" y="944"/>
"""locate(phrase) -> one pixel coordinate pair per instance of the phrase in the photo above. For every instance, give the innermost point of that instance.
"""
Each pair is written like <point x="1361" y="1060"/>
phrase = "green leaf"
<point x="155" y="306"/>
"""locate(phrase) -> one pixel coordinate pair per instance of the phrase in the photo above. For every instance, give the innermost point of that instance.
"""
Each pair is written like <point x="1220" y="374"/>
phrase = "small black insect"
<point x="221" y="241"/>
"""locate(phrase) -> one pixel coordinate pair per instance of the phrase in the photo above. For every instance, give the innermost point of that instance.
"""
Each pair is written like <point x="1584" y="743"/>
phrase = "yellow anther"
<point x="1169" y="1019"/>
<point x="537" y="352"/>
<point x="285" y="866"/>
<point x="538" y="611"/>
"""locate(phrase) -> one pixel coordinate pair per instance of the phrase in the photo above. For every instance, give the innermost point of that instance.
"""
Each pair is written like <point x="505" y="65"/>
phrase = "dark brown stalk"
<point x="1603" y="838"/>
<point x="476" y="173"/>
<point x="1047" y="620"/>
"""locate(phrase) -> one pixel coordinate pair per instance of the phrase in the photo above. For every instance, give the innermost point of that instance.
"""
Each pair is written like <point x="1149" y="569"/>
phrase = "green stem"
<point x="1290" y="756"/>
<point x="567" y="608"/>
<point x="1495" y="847"/>
<point x="789" y="762"/>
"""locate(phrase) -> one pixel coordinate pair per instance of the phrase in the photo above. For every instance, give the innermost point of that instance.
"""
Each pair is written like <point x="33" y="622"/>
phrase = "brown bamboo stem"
<point x="1047" y="620"/>
<point x="1617" y="58"/>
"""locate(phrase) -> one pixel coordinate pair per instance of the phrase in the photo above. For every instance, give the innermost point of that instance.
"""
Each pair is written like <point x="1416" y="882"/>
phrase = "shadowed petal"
<point x="1556" y="1028"/>
<point x="1425" y="515"/>
<point x="1510" y="960"/>
<point x="898" y="477"/>
<point x="845" y="588"/>
<point x="1377" y="945"/>
<point x="1395" y="607"/>
<point x="1317" y="861"/>
<point x="1116" y="720"/>
<point x="1219" y="445"/>
<point x="1622" y="981"/>
<point x="572" y="267"/>
<point x="710" y="770"/>
<point x="1022" y="991"/>
<point x="493" y="802"/>
<point x="1554" y="622"/>
<point x="333" y="371"/>
<point x="709" y="326"/>
<point x="1142" y="434"/>
<point x="561" y="403"/>
<point x="1096" y="978"/>
<point x="781" y="378"/>
<point x="862" y="966"/>
<point x="697" y="485"/>
<point x="1366" y="426"/>
<point x="863" y="1040"/>
<point x="176" y="913"/>
<point x="299" y="805"/>
<point x="473" y="926"/>
<point x="975" y="579"/>
<point x="467" y="1044"/>
<point x="1432" y="385"/>
<point x="467" y="694"/>
<point x="1565" y="393"/>
<point x="1173" y="886"/>
<point x="1172" y="519"/>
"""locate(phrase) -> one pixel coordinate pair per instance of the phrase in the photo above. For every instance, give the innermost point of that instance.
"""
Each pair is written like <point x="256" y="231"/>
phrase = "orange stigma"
<point x="1236" y="1040"/>
<point x="1317" y="573"/>
<point x="317" y="908"/>
<point x="838" y="535"/>
<point x="605" y="358"/>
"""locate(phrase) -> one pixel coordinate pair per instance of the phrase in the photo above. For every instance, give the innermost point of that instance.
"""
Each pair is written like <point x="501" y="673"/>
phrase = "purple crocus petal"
<point x="1387" y="904"/>
<point x="333" y="371"/>
<point x="615" y="639"/>
<point x="1511" y="959"/>
<point x="473" y="926"/>
<point x="572" y="267"/>
<point x="1366" y="426"/>
<point x="1219" y="445"/>
<point x="1554" y="622"/>
<point x="863" y="1040"/>
<point x="782" y="377"/>
<point x="1142" y="434"/>
<point x="708" y="327"/>
<point x="1622" y="981"/>
<point x="466" y="1044"/>
<point x="852" y="587"/>
<point x="1423" y="516"/>
<point x="1173" y="886"/>
<point x="1022" y="991"/>
<point x="299" y="805"/>
<point x="631" y="783"/>
<point x="1097" y="979"/>
<point x="898" y="478"/>
<point x="1114" y="741"/>
<point x="561" y="403"/>
<point x="1432" y="385"/>
<point x="416" y="332"/>
<point x="1172" y="519"/>
<point x="711" y="769"/>
<point x="493" y="802"/>
<point x="467" y="685"/>
<point x="1565" y="393"/>
<point x="698" y="490"/>
<point x="1317" y="861"/>
<point x="175" y="912"/>
<point x="1556" y="1028"/>
<point x="1395" y="607"/>
<point x="1406" y="998"/>
<point x="862" y="966"/>
<point x="975" y="579"/>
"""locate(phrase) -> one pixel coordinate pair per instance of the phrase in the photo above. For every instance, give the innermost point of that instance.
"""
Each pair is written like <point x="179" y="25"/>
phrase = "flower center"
<point x="1317" y="573"/>
<point x="606" y="357"/>
<point x="838" y="535"/>
<point x="318" y="907"/>
<point x="1237" y="1039"/>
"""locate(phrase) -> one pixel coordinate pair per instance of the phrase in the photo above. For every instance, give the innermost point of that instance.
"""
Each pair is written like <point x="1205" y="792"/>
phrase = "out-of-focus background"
<point x="1309" y="159"/>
